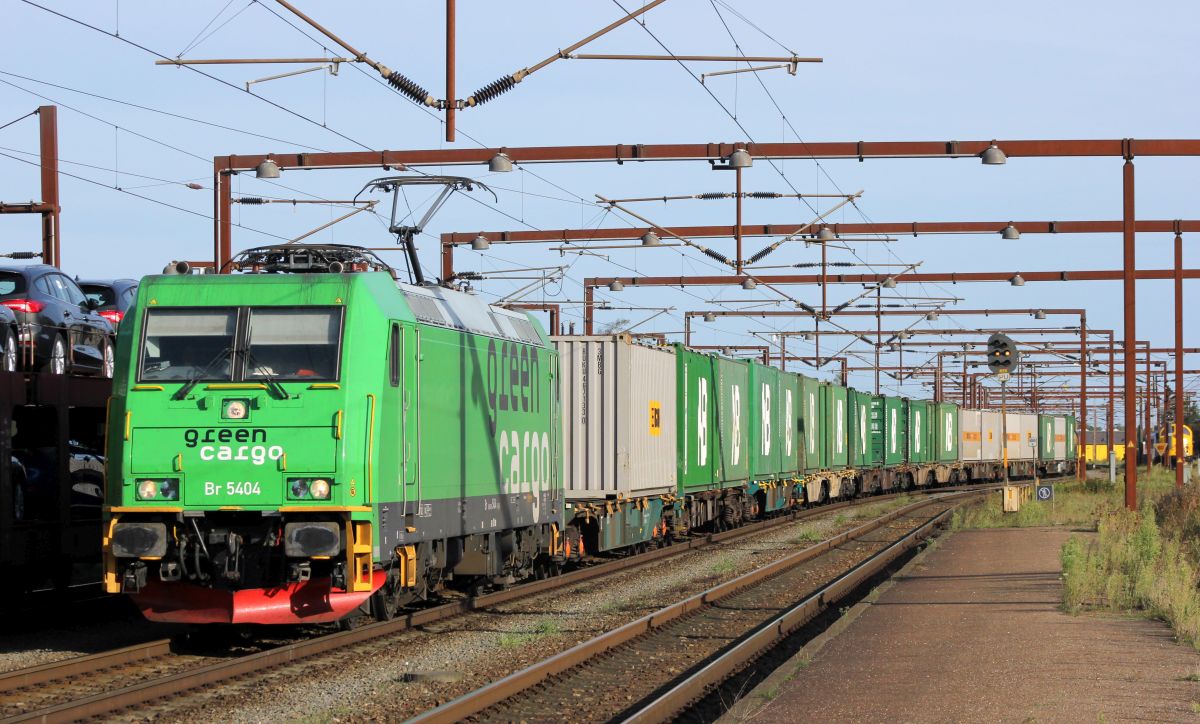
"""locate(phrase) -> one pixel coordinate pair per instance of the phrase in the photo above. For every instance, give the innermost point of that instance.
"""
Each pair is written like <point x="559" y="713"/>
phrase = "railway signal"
<point x="1003" y="356"/>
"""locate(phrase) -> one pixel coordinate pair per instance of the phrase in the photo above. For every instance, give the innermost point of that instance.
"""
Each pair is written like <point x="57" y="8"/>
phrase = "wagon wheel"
<point x="386" y="601"/>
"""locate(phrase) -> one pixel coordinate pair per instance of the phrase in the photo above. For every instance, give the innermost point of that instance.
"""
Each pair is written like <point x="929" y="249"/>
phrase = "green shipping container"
<point x="767" y="425"/>
<point x="947" y="432"/>
<point x="792" y="454"/>
<point x="713" y="421"/>
<point x="895" y="431"/>
<point x="732" y="380"/>
<point x="835" y="421"/>
<point x="865" y="451"/>
<point x="920" y="432"/>
<point x="811" y="404"/>
<point x="1045" y="437"/>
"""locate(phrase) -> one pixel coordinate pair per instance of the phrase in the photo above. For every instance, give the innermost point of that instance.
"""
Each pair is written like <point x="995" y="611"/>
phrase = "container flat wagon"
<point x="302" y="443"/>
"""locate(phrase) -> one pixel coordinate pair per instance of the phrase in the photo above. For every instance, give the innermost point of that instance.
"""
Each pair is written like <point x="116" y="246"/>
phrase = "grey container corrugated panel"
<point x="613" y="392"/>
<point x="970" y="429"/>
<point x="1017" y="427"/>
<point x="989" y="424"/>
<point x="1029" y="436"/>
<point x="1060" y="438"/>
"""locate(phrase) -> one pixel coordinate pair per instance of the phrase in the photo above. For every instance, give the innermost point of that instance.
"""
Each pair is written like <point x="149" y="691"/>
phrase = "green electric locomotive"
<point x="290" y="447"/>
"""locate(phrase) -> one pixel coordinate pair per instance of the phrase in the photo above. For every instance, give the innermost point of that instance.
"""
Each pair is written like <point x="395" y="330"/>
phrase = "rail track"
<point x="657" y="666"/>
<point x="108" y="682"/>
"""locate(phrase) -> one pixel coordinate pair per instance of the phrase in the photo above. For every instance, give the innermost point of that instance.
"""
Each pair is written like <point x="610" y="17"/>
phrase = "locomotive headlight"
<point x="167" y="489"/>
<point x="298" y="488"/>
<point x="235" y="409"/>
<point x="319" y="489"/>
<point x="147" y="490"/>
<point x="309" y="488"/>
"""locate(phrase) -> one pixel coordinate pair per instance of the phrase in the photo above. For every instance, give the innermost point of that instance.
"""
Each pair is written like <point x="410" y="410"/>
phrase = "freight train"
<point x="311" y="438"/>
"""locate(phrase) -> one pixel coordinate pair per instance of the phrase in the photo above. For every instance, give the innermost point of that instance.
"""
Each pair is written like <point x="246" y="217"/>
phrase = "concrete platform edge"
<point x="760" y="696"/>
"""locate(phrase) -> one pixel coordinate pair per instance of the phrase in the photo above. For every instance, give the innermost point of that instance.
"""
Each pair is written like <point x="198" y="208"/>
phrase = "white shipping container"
<point x="990" y="431"/>
<point x="618" y="411"/>
<point x="969" y="425"/>
<point x="1021" y="428"/>
<point x="1060" y="438"/>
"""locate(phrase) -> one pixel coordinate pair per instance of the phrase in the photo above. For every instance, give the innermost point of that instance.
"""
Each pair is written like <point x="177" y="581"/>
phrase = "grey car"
<point x="58" y="329"/>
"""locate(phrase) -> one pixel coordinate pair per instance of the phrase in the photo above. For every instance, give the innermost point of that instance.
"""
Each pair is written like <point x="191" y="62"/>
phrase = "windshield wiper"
<point x="187" y="386"/>
<point x="266" y="376"/>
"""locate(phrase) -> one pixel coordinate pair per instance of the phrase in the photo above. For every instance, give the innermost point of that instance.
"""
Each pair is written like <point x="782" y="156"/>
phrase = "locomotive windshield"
<point x="293" y="344"/>
<point x="266" y="343"/>
<point x="184" y="343"/>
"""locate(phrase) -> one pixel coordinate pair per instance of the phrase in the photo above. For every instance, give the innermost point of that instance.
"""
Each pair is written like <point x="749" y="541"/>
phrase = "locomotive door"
<point x="402" y="389"/>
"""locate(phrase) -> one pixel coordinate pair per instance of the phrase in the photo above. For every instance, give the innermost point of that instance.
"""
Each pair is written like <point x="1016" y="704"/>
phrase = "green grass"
<point x="723" y="566"/>
<point x="807" y="535"/>
<point x="1145" y="562"/>
<point x="520" y="638"/>
<point x="1075" y="504"/>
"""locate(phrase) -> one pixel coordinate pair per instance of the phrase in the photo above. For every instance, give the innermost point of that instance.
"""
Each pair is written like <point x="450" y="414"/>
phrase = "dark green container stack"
<point x="714" y="421"/>
<point x="947" y="432"/>
<point x="1045" y="436"/>
<point x="920" y="432"/>
<point x="865" y="448"/>
<point x="812" y="405"/>
<point x="767" y="431"/>
<point x="733" y="419"/>
<point x="834" y="416"/>
<point x="895" y="431"/>
<point x="792" y="454"/>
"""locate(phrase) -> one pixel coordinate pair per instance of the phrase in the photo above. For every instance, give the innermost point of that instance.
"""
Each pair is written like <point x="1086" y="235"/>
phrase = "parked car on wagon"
<point x="112" y="296"/>
<point x="57" y="327"/>
<point x="10" y="351"/>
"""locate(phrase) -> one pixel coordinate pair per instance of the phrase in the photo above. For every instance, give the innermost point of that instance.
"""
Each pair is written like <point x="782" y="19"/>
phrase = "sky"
<point x="914" y="71"/>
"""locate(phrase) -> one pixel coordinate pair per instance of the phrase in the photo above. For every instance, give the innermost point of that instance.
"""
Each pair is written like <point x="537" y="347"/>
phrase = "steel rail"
<point x="688" y="691"/>
<point x="80" y="665"/>
<point x="171" y="685"/>
<point x="521" y="681"/>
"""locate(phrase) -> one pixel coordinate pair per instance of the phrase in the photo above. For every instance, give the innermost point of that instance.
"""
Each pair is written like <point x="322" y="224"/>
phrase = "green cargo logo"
<point x="841" y="425"/>
<point x="524" y="460"/>
<point x="892" y="427"/>
<point x="862" y="430"/>
<point x="736" y="394"/>
<point x="512" y="374"/>
<point x="811" y="415"/>
<point x="916" y="433"/>
<point x="949" y="431"/>
<point x="766" y="419"/>
<point x="787" y="414"/>
<point x="258" y="454"/>
<point x="702" y="421"/>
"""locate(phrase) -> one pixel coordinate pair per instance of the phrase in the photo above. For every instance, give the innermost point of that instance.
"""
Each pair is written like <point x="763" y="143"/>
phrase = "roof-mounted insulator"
<point x="408" y="87"/>
<point x="762" y="253"/>
<point x="492" y="90"/>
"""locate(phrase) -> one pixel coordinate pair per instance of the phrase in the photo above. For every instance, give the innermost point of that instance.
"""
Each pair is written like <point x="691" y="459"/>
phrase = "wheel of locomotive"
<point x="385" y="602"/>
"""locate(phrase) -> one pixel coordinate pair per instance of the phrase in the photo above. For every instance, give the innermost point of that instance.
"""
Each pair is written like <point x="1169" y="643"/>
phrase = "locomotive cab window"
<point x="294" y="343"/>
<point x="181" y="344"/>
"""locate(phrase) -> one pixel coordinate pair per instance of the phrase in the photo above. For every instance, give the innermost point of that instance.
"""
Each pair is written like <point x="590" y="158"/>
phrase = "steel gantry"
<point x="1127" y="149"/>
<point x="49" y="207"/>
